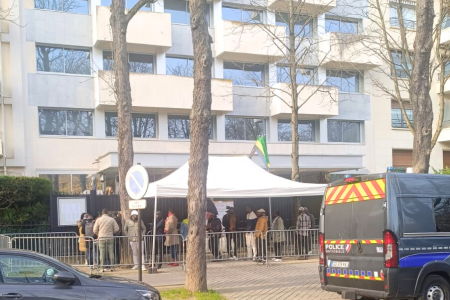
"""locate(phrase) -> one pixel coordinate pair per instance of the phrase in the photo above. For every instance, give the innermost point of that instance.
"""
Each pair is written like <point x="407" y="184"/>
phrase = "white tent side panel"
<point x="234" y="177"/>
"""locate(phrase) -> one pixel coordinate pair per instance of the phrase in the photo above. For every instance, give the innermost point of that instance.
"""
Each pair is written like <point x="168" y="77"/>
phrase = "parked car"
<point x="30" y="275"/>
<point x="386" y="236"/>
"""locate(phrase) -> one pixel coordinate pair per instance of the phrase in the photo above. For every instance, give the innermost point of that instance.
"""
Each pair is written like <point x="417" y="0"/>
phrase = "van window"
<point x="442" y="214"/>
<point x="418" y="215"/>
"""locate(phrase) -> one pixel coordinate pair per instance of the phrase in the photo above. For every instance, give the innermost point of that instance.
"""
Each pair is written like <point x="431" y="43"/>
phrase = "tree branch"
<point x="136" y="8"/>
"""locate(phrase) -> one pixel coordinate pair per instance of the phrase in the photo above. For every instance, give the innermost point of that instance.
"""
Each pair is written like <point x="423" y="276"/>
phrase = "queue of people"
<point x="106" y="226"/>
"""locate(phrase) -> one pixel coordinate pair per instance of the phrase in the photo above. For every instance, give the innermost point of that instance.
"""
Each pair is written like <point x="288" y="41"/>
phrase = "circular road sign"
<point x="136" y="182"/>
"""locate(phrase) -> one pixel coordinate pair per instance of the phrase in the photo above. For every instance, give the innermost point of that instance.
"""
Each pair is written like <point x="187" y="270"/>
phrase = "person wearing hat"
<point x="131" y="230"/>
<point x="260" y="233"/>
<point x="303" y="226"/>
<point x="229" y="222"/>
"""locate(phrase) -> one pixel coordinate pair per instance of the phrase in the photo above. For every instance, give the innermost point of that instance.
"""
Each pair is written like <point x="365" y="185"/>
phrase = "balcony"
<point x="248" y="42"/>
<point x="318" y="100"/>
<point x="337" y="50"/>
<point x="309" y="7"/>
<point x="165" y="91"/>
<point x="149" y="29"/>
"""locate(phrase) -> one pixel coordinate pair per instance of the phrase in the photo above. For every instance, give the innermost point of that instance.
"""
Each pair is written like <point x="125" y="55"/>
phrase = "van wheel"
<point x="435" y="288"/>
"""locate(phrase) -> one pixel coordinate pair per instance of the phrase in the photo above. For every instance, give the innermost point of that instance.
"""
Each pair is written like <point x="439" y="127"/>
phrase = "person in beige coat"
<point x="104" y="228"/>
<point x="172" y="240"/>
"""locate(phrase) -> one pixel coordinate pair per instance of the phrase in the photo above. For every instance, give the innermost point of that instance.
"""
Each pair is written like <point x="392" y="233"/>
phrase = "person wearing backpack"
<point x="215" y="228"/>
<point x="87" y="228"/>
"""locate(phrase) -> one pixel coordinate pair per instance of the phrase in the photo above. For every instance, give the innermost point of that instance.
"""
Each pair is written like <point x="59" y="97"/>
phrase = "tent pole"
<point x="154" y="229"/>
<point x="270" y="209"/>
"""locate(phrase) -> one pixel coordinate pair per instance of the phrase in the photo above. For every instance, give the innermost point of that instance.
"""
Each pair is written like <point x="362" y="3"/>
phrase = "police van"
<point x="386" y="236"/>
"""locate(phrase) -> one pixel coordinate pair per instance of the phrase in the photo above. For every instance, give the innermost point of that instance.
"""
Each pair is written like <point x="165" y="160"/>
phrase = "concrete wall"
<point x="354" y="107"/>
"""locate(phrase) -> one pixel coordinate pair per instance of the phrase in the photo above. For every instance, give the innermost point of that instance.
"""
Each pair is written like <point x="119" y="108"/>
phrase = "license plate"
<point x="338" y="264"/>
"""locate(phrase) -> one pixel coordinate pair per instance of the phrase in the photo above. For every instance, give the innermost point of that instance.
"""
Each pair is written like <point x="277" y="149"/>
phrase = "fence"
<point x="169" y="249"/>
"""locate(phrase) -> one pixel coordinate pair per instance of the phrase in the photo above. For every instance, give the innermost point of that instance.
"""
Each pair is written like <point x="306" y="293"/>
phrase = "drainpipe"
<point x="3" y="112"/>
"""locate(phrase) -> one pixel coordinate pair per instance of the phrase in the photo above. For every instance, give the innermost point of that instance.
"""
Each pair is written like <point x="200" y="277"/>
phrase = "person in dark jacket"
<point x="160" y="236"/>
<point x="229" y="222"/>
<point x="215" y="228"/>
<point x="313" y="225"/>
<point x="118" y="219"/>
<point x="87" y="228"/>
<point x="250" y="236"/>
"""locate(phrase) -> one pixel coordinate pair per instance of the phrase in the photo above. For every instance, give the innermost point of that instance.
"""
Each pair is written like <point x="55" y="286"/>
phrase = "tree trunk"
<point x="198" y="161"/>
<point x="122" y="88"/>
<point x="420" y="87"/>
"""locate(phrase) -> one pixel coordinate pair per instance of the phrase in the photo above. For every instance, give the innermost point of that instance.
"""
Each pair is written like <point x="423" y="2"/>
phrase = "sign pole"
<point x="140" y="245"/>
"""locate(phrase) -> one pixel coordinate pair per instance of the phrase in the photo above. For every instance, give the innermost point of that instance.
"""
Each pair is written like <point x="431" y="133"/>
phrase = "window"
<point x="242" y="14"/>
<point x="73" y="184"/>
<point x="341" y="26"/>
<point x="344" y="131"/>
<point x="408" y="14"/>
<point x="247" y="74"/>
<point x="433" y="213"/>
<point x="397" y="120"/>
<point x="441" y="213"/>
<point x="402" y="65"/>
<point x="180" y="127"/>
<point x="17" y="269"/>
<point x="304" y="75"/>
<point x="139" y="63"/>
<point x="65" y="122"/>
<point x="303" y="25"/>
<point x="446" y="22"/>
<point x="129" y="4"/>
<point x="306" y="131"/>
<point x="143" y="125"/>
<point x="63" y="60"/>
<point x="401" y="158"/>
<point x="71" y="6"/>
<point x="179" y="66"/>
<point x="244" y="129"/>
<point x="179" y="11"/>
<point x="346" y="81"/>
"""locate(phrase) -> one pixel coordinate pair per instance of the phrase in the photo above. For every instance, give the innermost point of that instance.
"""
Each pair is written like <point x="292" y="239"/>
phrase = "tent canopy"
<point x="233" y="177"/>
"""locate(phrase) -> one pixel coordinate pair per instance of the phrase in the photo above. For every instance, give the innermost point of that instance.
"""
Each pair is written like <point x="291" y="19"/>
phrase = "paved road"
<point x="288" y="280"/>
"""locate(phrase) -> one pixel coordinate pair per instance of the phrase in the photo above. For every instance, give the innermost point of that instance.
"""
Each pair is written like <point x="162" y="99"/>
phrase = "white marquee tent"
<point x="233" y="177"/>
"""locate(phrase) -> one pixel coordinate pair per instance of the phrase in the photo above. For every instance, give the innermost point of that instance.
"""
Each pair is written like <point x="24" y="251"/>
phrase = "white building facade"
<point x="59" y="118"/>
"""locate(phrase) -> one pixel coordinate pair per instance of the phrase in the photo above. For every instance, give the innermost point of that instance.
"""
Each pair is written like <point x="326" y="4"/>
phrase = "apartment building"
<point x="59" y="118"/>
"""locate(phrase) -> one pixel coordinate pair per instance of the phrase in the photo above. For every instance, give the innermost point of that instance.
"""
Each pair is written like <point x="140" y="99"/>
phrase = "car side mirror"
<point x="66" y="278"/>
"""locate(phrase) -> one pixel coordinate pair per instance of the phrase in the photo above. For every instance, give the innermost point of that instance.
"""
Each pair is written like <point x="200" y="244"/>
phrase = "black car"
<point x="30" y="275"/>
<point x="386" y="236"/>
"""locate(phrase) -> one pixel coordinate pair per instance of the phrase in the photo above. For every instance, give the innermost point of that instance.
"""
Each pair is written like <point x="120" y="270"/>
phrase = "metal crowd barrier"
<point x="240" y="245"/>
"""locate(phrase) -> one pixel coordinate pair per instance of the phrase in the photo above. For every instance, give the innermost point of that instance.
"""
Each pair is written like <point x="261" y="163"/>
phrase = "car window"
<point x="442" y="214"/>
<point x="24" y="270"/>
<point x="417" y="214"/>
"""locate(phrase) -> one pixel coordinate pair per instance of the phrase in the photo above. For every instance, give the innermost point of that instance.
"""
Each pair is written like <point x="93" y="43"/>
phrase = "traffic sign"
<point x="136" y="182"/>
<point x="137" y="204"/>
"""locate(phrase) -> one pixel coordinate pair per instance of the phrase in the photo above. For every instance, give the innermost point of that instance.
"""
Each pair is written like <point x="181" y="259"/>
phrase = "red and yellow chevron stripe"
<point x="341" y="241"/>
<point x="354" y="277"/>
<point x="354" y="192"/>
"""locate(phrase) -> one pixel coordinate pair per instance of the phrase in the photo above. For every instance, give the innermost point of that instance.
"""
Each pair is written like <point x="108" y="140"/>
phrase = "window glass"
<point x="241" y="15"/>
<point x="131" y="3"/>
<point x="446" y="22"/>
<point x="63" y="60"/>
<point x="303" y="25"/>
<point x="304" y="76"/>
<point x="179" y="66"/>
<point x="402" y="65"/>
<point x="344" y="131"/>
<point x="17" y="269"/>
<point x="79" y="183"/>
<point x="408" y="14"/>
<point x="179" y="127"/>
<point x="441" y="214"/>
<point x="245" y="129"/>
<point x="140" y="63"/>
<point x="50" y="59"/>
<point x="61" y="183"/>
<point x="106" y="2"/>
<point x="143" y="125"/>
<point x="79" y="123"/>
<point x="179" y="11"/>
<point x="397" y="120"/>
<point x="52" y="122"/>
<point x="244" y="73"/>
<point x="342" y="26"/>
<point x="77" y="61"/>
<point x="306" y="131"/>
<point x="72" y="6"/>
<point x="108" y="61"/>
<point x="345" y="81"/>
<point x="65" y="122"/>
<point x="417" y="215"/>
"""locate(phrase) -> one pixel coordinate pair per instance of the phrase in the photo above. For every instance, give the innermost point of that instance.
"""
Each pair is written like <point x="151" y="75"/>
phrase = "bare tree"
<point x="198" y="161"/>
<point x="411" y="59"/>
<point x="119" y="21"/>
